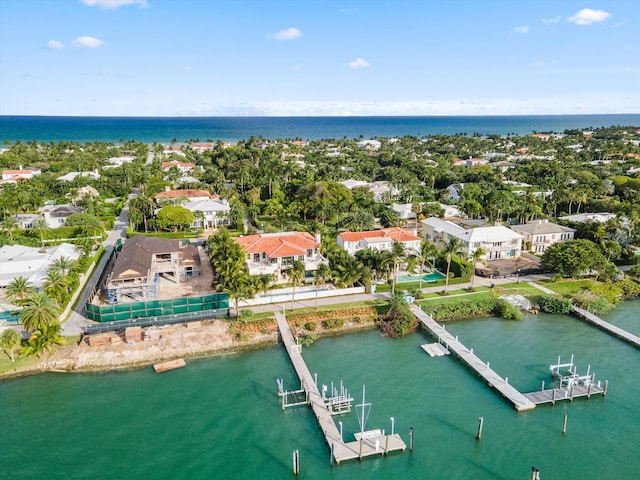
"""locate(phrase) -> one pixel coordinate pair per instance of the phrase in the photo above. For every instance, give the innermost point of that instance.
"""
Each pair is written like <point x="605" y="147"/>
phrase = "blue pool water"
<point x="429" y="277"/>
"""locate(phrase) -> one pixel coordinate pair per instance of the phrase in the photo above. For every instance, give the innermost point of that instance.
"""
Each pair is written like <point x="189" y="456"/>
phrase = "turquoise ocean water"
<point x="220" y="418"/>
<point x="232" y="129"/>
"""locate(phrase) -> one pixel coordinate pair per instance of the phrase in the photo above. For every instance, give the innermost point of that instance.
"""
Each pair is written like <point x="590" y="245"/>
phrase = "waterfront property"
<point x="273" y="253"/>
<point x="540" y="234"/>
<point x="498" y="242"/>
<point x="382" y="240"/>
<point x="143" y="260"/>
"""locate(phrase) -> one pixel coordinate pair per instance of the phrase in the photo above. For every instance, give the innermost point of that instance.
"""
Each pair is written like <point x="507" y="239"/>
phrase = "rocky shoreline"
<point x="211" y="338"/>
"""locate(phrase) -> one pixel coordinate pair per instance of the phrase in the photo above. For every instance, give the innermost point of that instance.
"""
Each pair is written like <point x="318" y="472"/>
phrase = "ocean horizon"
<point x="146" y="129"/>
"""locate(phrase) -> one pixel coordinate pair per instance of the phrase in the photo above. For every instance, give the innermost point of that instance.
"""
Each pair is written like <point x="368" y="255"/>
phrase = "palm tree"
<point x="9" y="224"/>
<point x="56" y="284"/>
<point x="18" y="290"/>
<point x="40" y="227"/>
<point x="42" y="338"/>
<point x="63" y="265"/>
<point x="238" y="287"/>
<point x="9" y="340"/>
<point x="320" y="277"/>
<point x="263" y="282"/>
<point x="397" y="254"/>
<point x="39" y="311"/>
<point x="427" y="250"/>
<point x="452" y="248"/>
<point x="477" y="256"/>
<point x="295" y="273"/>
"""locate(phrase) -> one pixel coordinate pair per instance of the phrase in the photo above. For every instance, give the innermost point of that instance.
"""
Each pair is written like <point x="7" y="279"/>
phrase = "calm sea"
<point x="220" y="418"/>
<point x="232" y="129"/>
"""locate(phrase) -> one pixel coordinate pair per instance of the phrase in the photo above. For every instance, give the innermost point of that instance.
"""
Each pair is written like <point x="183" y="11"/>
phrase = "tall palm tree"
<point x="40" y="227"/>
<point x="39" y="311"/>
<point x="397" y="253"/>
<point x="238" y="286"/>
<point x="477" y="256"/>
<point x="18" y="290"/>
<point x="320" y="277"/>
<point x="263" y="282"/>
<point x="427" y="250"/>
<point x="453" y="247"/>
<point x="56" y="284"/>
<point x="295" y="273"/>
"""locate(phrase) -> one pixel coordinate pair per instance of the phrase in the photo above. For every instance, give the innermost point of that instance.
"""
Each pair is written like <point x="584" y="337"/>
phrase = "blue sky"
<point x="314" y="57"/>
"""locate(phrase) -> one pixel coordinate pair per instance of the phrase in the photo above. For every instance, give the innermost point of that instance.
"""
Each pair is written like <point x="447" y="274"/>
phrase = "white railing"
<point x="305" y="295"/>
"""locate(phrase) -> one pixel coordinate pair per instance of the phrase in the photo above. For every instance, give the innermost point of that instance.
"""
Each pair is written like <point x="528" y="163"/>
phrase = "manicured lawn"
<point x="566" y="287"/>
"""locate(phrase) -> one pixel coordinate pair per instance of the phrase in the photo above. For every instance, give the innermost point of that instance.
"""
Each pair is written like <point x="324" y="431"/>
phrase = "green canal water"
<point x="220" y="418"/>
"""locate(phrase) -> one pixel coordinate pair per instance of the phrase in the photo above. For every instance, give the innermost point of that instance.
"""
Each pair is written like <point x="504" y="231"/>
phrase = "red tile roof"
<point x="17" y="172"/>
<point x="398" y="234"/>
<point x="177" y="164"/>
<point x="190" y="193"/>
<point x="287" y="244"/>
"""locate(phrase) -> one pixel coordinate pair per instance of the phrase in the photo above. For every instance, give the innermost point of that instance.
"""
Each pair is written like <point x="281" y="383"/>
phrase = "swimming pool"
<point x="429" y="277"/>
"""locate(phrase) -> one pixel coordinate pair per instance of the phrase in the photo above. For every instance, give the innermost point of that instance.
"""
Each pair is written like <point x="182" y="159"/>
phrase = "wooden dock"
<point x="607" y="327"/>
<point x="519" y="401"/>
<point x="553" y="395"/>
<point x="374" y="445"/>
<point x="435" y="349"/>
<point x="170" y="365"/>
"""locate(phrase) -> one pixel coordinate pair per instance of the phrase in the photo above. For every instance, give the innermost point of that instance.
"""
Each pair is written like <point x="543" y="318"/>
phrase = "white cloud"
<point x="522" y="29"/>
<point x="586" y="16"/>
<point x="87" y="42"/>
<point x="114" y="3"/>
<point x="288" y="34"/>
<point x="55" y="45"/>
<point x="358" y="63"/>
<point x="551" y="20"/>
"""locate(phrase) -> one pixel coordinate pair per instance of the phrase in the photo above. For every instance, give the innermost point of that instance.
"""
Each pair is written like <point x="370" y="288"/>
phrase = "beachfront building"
<point x="30" y="262"/>
<point x="538" y="235"/>
<point x="382" y="240"/>
<point x="497" y="241"/>
<point x="143" y="261"/>
<point x="273" y="253"/>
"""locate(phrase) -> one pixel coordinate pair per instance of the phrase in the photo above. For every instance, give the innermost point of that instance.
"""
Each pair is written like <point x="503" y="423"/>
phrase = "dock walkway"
<point x="373" y="445"/>
<point x="598" y="322"/>
<point x="606" y="326"/>
<point x="519" y="401"/>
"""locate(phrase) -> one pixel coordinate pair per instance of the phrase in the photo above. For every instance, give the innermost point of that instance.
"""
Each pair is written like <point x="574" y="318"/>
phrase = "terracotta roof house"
<point x="143" y="260"/>
<point x="18" y="174"/>
<point x="182" y="166"/>
<point x="192" y="195"/>
<point x="272" y="253"/>
<point x="382" y="239"/>
<point x="542" y="233"/>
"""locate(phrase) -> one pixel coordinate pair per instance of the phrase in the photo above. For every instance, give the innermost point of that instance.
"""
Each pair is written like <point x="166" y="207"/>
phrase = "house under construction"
<point x="141" y="264"/>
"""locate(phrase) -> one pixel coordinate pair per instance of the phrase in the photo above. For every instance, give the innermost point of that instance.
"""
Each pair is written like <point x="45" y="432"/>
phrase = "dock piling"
<point x="296" y="462"/>
<point x="411" y="439"/>
<point x="480" y="423"/>
<point x="542" y="387"/>
<point x="564" y="424"/>
<point x="606" y="384"/>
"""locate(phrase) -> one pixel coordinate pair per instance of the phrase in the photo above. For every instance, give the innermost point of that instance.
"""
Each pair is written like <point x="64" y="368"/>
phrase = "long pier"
<point x="597" y="321"/>
<point x="519" y="401"/>
<point x="607" y="327"/>
<point x="375" y="443"/>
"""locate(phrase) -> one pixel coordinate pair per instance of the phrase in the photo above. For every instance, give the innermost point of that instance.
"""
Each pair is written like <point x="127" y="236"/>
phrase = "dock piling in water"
<point x="564" y="424"/>
<point x="480" y="423"/>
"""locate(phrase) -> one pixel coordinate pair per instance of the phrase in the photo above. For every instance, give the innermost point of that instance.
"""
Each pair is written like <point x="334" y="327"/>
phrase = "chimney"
<point x="318" y="237"/>
<point x="167" y="188"/>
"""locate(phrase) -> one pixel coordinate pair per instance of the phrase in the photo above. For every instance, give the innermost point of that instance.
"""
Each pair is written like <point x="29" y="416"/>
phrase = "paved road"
<point x="76" y="320"/>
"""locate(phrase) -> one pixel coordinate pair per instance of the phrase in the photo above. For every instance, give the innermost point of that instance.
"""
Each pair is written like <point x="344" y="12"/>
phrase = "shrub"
<point x="398" y="320"/>
<point x="552" y="304"/>
<point x="507" y="311"/>
<point x="307" y="340"/>
<point x="311" y="326"/>
<point x="333" y="323"/>
<point x="465" y="309"/>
